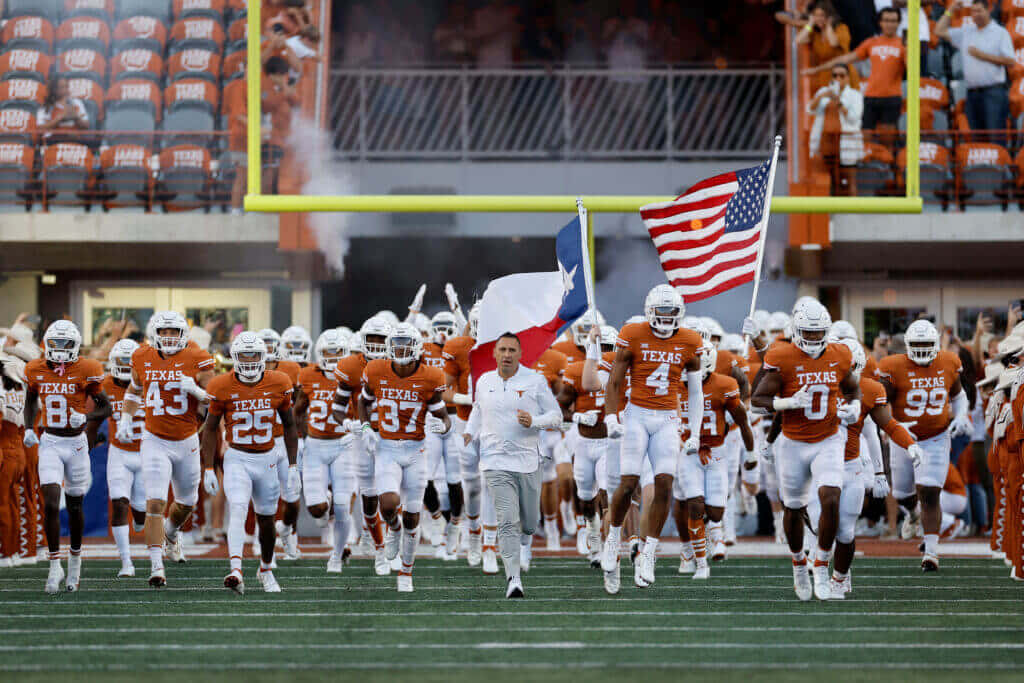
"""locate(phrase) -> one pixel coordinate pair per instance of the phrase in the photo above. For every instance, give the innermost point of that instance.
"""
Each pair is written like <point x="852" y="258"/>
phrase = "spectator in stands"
<point x="987" y="52"/>
<point x="290" y="15"/>
<point x="61" y="112"/>
<point x="828" y="37"/>
<point x="923" y="30"/>
<point x="837" y="109"/>
<point x="276" y="45"/>
<point x="306" y="44"/>
<point x="883" y="98"/>
<point x="494" y="32"/>
<point x="450" y="40"/>
<point x="279" y="100"/>
<point x="543" y="40"/>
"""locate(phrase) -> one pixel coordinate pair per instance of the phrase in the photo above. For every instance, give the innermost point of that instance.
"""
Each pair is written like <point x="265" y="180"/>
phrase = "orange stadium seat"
<point x="200" y="33"/>
<point x="184" y="177"/>
<point x="985" y="174"/>
<point x="91" y="94"/>
<point x="213" y="9"/>
<point x="161" y="9"/>
<point x="936" y="175"/>
<point x="28" y="32"/>
<point x="1016" y="28"/>
<point x="132" y="105"/>
<point x="25" y="64"/>
<point x="238" y="30"/>
<point x="83" y="63"/>
<point x="191" y="104"/>
<point x="49" y="9"/>
<point x="101" y="9"/>
<point x="126" y="170"/>
<point x="234" y="65"/>
<point x="140" y="32"/>
<point x="194" y="63"/>
<point x="27" y="92"/>
<point x="1012" y="8"/>
<point x="17" y="166"/>
<point x="17" y="125"/>
<point x="137" y="63"/>
<point x="874" y="171"/>
<point x="67" y="167"/>
<point x="83" y="32"/>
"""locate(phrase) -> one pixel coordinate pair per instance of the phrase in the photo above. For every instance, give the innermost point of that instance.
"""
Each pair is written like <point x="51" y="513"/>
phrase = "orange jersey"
<point x="403" y="402"/>
<point x="822" y="376"/>
<point x="871" y="366"/>
<point x="115" y="393"/>
<point x="727" y="360"/>
<point x="61" y="393"/>
<point x="585" y="400"/>
<point x="657" y="364"/>
<point x="872" y="394"/>
<point x="922" y="392"/>
<point x="433" y="355"/>
<point x="1015" y="432"/>
<point x="456" y="363"/>
<point x="292" y="370"/>
<point x="320" y="388"/>
<point x="551" y="364"/>
<point x="753" y="365"/>
<point x="171" y="413"/>
<point x="249" y="409"/>
<point x="572" y="353"/>
<point x="954" y="482"/>
<point x="607" y="361"/>
<point x="349" y="373"/>
<point x="721" y="393"/>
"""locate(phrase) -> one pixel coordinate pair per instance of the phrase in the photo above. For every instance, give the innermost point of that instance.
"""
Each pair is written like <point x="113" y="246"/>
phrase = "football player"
<point x="247" y="399"/>
<point x="328" y="457"/>
<point x="372" y="342"/>
<point x="923" y="387"/>
<point x="63" y="383"/>
<point x="402" y="391"/>
<point x="574" y="344"/>
<point x="296" y="345"/>
<point x="803" y="380"/>
<point x="555" y="459"/>
<point x="655" y="353"/>
<point x="167" y="380"/>
<point x="124" y="463"/>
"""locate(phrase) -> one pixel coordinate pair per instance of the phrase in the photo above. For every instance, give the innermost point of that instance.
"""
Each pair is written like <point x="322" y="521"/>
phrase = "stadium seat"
<point x="194" y="63"/>
<point x="48" y="9"/>
<point x="83" y="32"/>
<point x="184" y="180"/>
<point x="1017" y="98"/>
<point x="933" y="94"/>
<point x="160" y="9"/>
<point x="140" y="32"/>
<point x="936" y="176"/>
<point x="984" y="174"/>
<point x="25" y="64"/>
<point x="133" y="106"/>
<point x="91" y="94"/>
<point x="27" y="91"/>
<point x="17" y="125"/>
<point x="237" y="33"/>
<point x="1015" y="26"/>
<point x="17" y="164"/>
<point x="82" y="63"/>
<point x="234" y="65"/>
<point x="28" y="32"/>
<point x="101" y="9"/>
<point x="211" y="9"/>
<point x="874" y="171"/>
<point x="67" y="168"/>
<point x="137" y="63"/>
<point x="201" y="33"/>
<point x="126" y="171"/>
<point x="191" y="104"/>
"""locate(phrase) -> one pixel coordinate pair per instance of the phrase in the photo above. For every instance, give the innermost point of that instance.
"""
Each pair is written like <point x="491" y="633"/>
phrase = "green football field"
<point x="966" y="621"/>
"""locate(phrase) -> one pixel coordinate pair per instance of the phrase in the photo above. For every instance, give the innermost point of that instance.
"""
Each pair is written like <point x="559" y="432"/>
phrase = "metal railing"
<point x="558" y="113"/>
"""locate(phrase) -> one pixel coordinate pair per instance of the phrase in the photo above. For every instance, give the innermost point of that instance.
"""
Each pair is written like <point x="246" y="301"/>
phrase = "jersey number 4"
<point x="659" y="380"/>
<point x="177" y="405"/>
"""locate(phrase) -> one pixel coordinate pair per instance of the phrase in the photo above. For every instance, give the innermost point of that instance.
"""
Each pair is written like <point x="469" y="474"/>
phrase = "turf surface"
<point x="745" y="622"/>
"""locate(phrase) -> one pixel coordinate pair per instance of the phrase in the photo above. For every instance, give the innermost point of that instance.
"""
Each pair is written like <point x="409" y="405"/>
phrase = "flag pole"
<point x="588" y="274"/>
<point x="764" y="228"/>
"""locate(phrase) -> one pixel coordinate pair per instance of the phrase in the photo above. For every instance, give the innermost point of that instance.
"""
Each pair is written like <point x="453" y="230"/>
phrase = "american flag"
<point x="708" y="237"/>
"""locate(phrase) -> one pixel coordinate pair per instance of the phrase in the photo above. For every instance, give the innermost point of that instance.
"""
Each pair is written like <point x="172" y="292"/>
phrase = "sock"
<point x="634" y="541"/>
<point x="615" y="535"/>
<point x="551" y="526"/>
<point x="777" y="520"/>
<point x="594" y="526"/>
<point x="236" y="562"/>
<point x="581" y="521"/>
<point x="474" y="524"/>
<point x="822" y="557"/>
<point x="264" y="566"/>
<point x="714" y="532"/>
<point x="799" y="558"/>
<point x="54" y="560"/>
<point x="839" y="577"/>
<point x="490" y="536"/>
<point x="650" y="546"/>
<point x="931" y="544"/>
<point x="408" y="550"/>
<point x="170" y="531"/>
<point x="121" y="540"/>
<point x="156" y="557"/>
<point x="236" y="531"/>
<point x="687" y="552"/>
<point x="698" y="539"/>
<point x="342" y="526"/>
<point x="565" y="509"/>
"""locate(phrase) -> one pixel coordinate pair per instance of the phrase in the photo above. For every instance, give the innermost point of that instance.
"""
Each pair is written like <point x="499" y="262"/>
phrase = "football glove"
<point x="849" y="413"/>
<point x="124" y="430"/>
<point x="961" y="426"/>
<point x="587" y="419"/>
<point x="30" y="439"/>
<point x="615" y="430"/>
<point x="916" y="454"/>
<point x="210" y="483"/>
<point x="189" y="386"/>
<point x="692" y="446"/>
<point x="417" y="302"/>
<point x="370" y="439"/>
<point x="436" y="425"/>
<point x="76" y="419"/>
<point x="800" y="400"/>
<point x="880" y="486"/>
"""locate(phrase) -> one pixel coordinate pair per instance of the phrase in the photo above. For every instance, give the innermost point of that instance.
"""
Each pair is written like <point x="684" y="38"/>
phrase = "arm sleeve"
<point x="695" y="396"/>
<point x="959" y="404"/>
<point x="870" y="433"/>
<point x="899" y="434"/>
<point x="475" y="421"/>
<point x="551" y="414"/>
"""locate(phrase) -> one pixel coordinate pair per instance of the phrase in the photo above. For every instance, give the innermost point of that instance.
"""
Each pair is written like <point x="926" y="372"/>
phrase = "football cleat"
<point x="404" y="583"/>
<point x="525" y="556"/>
<point x="269" y="583"/>
<point x="718" y="552"/>
<point x="490" y="561"/>
<point x="126" y="571"/>
<point x="802" y="581"/>
<point x="647" y="567"/>
<point x="451" y="541"/>
<point x="74" y="573"/>
<point x="174" y="551"/>
<point x="634" y="550"/>
<point x="553" y="542"/>
<point x="334" y="564"/>
<point x="595" y="559"/>
<point x="366" y="548"/>
<point x="515" y="588"/>
<point x="638" y="574"/>
<point x="381" y="564"/>
<point x="581" y="541"/>
<point x="6" y="562"/>
<point x="233" y="581"/>
<point x="475" y="553"/>
<point x="687" y="566"/>
<point x="930" y="563"/>
<point x="291" y="547"/>
<point x="820" y="573"/>
<point x="609" y="555"/>
<point x="701" y="569"/>
<point x="911" y="527"/>
<point x="54" y="578"/>
<point x="157" y="578"/>
<point x="392" y="539"/>
<point x="1014" y="575"/>
<point x="839" y="588"/>
<point x="27" y="561"/>
<point x="612" y="581"/>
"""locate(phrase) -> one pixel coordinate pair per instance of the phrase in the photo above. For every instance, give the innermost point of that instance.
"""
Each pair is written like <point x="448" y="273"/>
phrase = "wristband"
<point x="594" y="352"/>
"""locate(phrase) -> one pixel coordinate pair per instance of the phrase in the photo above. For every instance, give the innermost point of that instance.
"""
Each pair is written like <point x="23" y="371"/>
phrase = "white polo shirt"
<point x="504" y="443"/>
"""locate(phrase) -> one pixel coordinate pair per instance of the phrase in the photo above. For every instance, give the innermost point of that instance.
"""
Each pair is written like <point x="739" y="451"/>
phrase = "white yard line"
<point x="953" y="612"/>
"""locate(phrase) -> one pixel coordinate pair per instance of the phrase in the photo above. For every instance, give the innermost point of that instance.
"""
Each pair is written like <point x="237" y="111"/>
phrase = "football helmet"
<point x="922" y="342"/>
<point x="474" y="320"/>
<point x="841" y="329"/>
<point x="732" y="342"/>
<point x="708" y="359"/>
<point x="62" y="342"/>
<point x="170" y="332"/>
<point x="272" y="340"/>
<point x="714" y="328"/>
<point x="296" y="344"/>
<point x="803" y="301"/>
<point x="151" y="331"/>
<point x="761" y="319"/>
<point x="442" y="327"/>
<point x="422" y="323"/>
<point x="331" y="346"/>
<point x="692" y="322"/>
<point x="373" y="337"/>
<point x="778" y="321"/>
<point x="609" y="335"/>
<point x="404" y="344"/>
<point x="120" y="359"/>
<point x="860" y="359"/>
<point x="580" y="329"/>
<point x="389" y="316"/>
<point x="345" y="330"/>
<point x="811" y="324"/>
<point x="249" y="354"/>
<point x="664" y="309"/>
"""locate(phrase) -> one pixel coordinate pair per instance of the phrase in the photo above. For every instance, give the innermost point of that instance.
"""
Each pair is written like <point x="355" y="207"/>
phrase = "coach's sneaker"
<point x="612" y="581"/>
<point x="930" y="563"/>
<point x="514" y="589"/>
<point x="334" y="563"/>
<point x="610" y="555"/>
<point x="701" y="570"/>
<point x="404" y="582"/>
<point x="174" y="551"/>
<point x="381" y="564"/>
<point x="525" y="557"/>
<point x="490" y="560"/>
<point x="802" y="580"/>
<point x="474" y="554"/>
<point x="911" y="527"/>
<point x="392" y="539"/>
<point x="233" y="581"/>
<point x="126" y="571"/>
<point x="822" y="590"/>
<point x="157" y="578"/>
<point x="269" y="583"/>
<point x="54" y="578"/>
<point x="581" y="541"/>
<point x="291" y="547"/>
<point x="718" y="551"/>
<point x="687" y="566"/>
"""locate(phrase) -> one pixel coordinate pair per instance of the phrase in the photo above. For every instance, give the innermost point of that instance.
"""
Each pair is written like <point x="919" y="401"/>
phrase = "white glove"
<point x="766" y="452"/>
<point x="30" y="439"/>
<point x="76" y="419"/>
<point x="615" y="430"/>
<point x="587" y="419"/>
<point x="300" y="451"/>
<point x="691" y="446"/>
<point x="750" y="456"/>
<point x="124" y="431"/>
<point x="849" y="413"/>
<point x="294" y="483"/>
<point x="436" y="425"/>
<point x="189" y="386"/>
<point x="880" y="487"/>
<point x="961" y="426"/>
<point x="750" y="328"/>
<point x="417" y="302"/>
<point x="916" y="454"/>
<point x="453" y="298"/>
<point x="210" y="483"/>
<point x="370" y="439"/>
<point x="800" y="400"/>
<point x="351" y="426"/>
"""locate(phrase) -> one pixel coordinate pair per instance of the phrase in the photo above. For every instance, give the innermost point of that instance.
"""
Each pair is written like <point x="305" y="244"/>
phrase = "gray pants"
<point x="516" y="497"/>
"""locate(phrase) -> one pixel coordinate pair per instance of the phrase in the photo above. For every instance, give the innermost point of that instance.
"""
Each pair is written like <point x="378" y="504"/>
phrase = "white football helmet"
<point x="609" y="335"/>
<point x="151" y="331"/>
<point x="842" y="329"/>
<point x="922" y="342"/>
<point x="62" y="342"/>
<point x="802" y="301"/>
<point x="170" y="332"/>
<point x="120" y="359"/>
<point x="404" y="344"/>
<point x="778" y="321"/>
<point x="732" y="342"/>
<point x="373" y="337"/>
<point x="664" y="309"/>
<point x="692" y="322"/>
<point x="331" y="346"/>
<point x="761" y="319"/>
<point x="474" y="320"/>
<point x="272" y="340"/>
<point x="296" y="344"/>
<point x="345" y="330"/>
<point x="860" y="359"/>
<point x="442" y="327"/>
<point x="708" y="360"/>
<point x="389" y="316"/>
<point x="422" y="323"/>
<point x="580" y="329"/>
<point x="811" y="324"/>
<point x="249" y="354"/>
<point x="714" y="328"/>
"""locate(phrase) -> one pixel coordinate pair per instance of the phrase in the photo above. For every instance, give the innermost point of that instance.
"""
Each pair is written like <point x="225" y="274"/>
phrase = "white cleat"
<point x="269" y="583"/>
<point x="525" y="556"/>
<point x="612" y="581"/>
<point x="27" y="561"/>
<point x="911" y="527"/>
<point x="514" y="589"/>
<point x="687" y="566"/>
<point x="234" y="581"/>
<point x="291" y="547"/>
<point x="647" y="567"/>
<point x="552" y="542"/>
<point x="474" y="555"/>
<point x="54" y="579"/>
<point x="822" y="587"/>
<point x="701" y="569"/>
<point x="366" y="548"/>
<point x="405" y="583"/>
<point x="582" y="547"/>
<point x="392" y="540"/>
<point x="74" y="573"/>
<point x="929" y="563"/>
<point x="595" y="559"/>
<point x="158" y="578"/>
<point x="638" y="574"/>
<point x="396" y="564"/>
<point x="451" y="541"/>
<point x="718" y="552"/>
<point x="802" y="581"/>
<point x="838" y="588"/>
<point x="6" y="562"/>
<point x="441" y="553"/>
<point x="490" y="561"/>
<point x="334" y="563"/>
<point x="127" y="571"/>
<point x="609" y="555"/>
<point x="174" y="551"/>
<point x="381" y="564"/>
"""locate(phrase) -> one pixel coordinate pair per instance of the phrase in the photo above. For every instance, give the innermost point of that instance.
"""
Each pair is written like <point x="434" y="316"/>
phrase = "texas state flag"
<point x="538" y="307"/>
